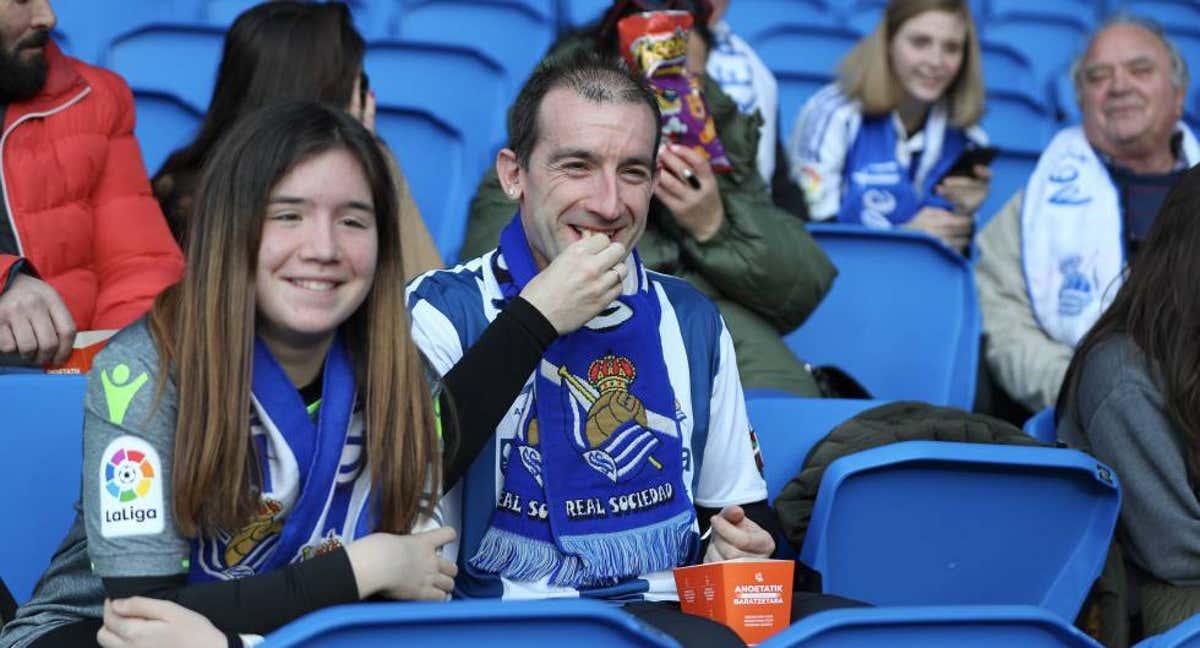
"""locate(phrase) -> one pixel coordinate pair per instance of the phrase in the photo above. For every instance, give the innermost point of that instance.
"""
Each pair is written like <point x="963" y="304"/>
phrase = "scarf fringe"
<point x="643" y="550"/>
<point x="519" y="557"/>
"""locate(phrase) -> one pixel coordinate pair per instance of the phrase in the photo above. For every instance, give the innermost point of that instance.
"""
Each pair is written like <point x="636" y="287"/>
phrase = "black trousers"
<point x="691" y="630"/>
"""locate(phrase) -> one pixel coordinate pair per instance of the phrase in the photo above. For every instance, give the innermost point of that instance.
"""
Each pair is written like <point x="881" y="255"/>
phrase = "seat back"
<point x="164" y="124"/>
<point x="1041" y="426"/>
<point x="804" y="58"/>
<point x="1010" y="173"/>
<point x="517" y="34"/>
<point x="1050" y="41"/>
<point x="901" y="317"/>
<point x="788" y="427"/>
<point x="932" y="627"/>
<point x="464" y="623"/>
<point x="943" y="523"/>
<point x="43" y="428"/>
<point x="193" y="53"/>
<point x="441" y="110"/>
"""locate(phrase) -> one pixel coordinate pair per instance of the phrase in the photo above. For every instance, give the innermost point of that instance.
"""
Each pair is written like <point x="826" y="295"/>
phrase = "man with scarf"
<point x="624" y="429"/>
<point x="1051" y="259"/>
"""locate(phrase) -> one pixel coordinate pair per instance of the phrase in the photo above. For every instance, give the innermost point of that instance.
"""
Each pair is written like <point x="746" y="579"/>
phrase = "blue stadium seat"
<point x="1049" y="41"/>
<point x="752" y="19"/>
<point x="1066" y="106"/>
<point x="178" y="60"/>
<point x="863" y="20"/>
<point x="1009" y="69"/>
<point x="40" y="471"/>
<point x="494" y="624"/>
<point x="1184" y="635"/>
<point x="1074" y="10"/>
<point x="1016" y="122"/>
<point x="901" y="317"/>
<point x="1171" y="15"/>
<point x="944" y="523"/>
<point x="372" y="18"/>
<point x="1001" y="626"/>
<point x="164" y="123"/>
<point x="1041" y="426"/>
<point x="441" y="109"/>
<point x="517" y="35"/>
<point x="573" y="14"/>
<point x="90" y="26"/>
<point x="1010" y="172"/>
<point x="804" y="58"/>
<point x="788" y="427"/>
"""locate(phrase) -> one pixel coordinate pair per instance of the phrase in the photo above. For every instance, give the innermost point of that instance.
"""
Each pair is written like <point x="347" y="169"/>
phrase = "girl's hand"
<point x="967" y="194"/>
<point x="139" y="621"/>
<point x="403" y="567"/>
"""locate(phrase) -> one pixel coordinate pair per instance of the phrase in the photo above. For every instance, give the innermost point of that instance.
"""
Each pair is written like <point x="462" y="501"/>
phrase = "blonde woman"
<point x="874" y="147"/>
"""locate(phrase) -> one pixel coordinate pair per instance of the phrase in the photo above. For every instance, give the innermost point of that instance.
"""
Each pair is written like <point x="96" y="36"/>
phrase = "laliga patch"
<point x="131" y="496"/>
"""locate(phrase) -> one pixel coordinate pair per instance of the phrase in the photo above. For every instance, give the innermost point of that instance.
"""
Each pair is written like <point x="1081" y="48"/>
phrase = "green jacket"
<point x="762" y="269"/>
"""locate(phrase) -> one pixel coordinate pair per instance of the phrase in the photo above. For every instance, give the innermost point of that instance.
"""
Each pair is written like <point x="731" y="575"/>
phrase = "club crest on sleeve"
<point x="130" y="489"/>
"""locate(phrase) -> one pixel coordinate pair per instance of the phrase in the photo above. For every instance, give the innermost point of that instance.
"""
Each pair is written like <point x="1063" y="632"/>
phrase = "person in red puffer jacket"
<point x="83" y="244"/>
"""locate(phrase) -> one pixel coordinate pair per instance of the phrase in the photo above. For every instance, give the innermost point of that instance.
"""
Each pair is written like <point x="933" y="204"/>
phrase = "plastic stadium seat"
<point x="89" y="26"/>
<point x="789" y="427"/>
<point x="901" y="317"/>
<point x="1049" y="41"/>
<point x="1015" y="122"/>
<point x="945" y="523"/>
<point x="494" y="624"/>
<point x="517" y="33"/>
<point x="372" y="18"/>
<point x="178" y="60"/>
<point x="1010" y="172"/>
<point x="752" y="19"/>
<point x="864" y="20"/>
<point x="803" y="58"/>
<point x="164" y="123"/>
<point x="1041" y="426"/>
<point x="573" y="14"/>
<point x="1066" y="106"/>
<point x="1169" y="14"/>
<point x="1007" y="68"/>
<point x="441" y="109"/>
<point x="1001" y="626"/>
<point x="1184" y="635"/>
<point x="1075" y="10"/>
<point x="43" y="428"/>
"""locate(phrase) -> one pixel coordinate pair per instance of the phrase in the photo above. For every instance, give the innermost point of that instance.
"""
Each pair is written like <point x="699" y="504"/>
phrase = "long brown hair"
<point x="204" y="329"/>
<point x="866" y="75"/>
<point x="1158" y="308"/>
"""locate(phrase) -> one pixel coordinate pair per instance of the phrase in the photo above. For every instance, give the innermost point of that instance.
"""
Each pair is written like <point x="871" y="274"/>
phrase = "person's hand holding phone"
<point x="944" y="225"/>
<point x="966" y="193"/>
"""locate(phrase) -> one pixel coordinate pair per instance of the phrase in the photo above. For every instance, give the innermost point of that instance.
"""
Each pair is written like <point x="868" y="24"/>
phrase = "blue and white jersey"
<point x="743" y="76"/>
<point x="824" y="138"/>
<point x="449" y="311"/>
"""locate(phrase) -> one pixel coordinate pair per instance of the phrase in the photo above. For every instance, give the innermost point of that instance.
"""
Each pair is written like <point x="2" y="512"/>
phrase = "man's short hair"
<point x="1179" y="70"/>
<point x="600" y="79"/>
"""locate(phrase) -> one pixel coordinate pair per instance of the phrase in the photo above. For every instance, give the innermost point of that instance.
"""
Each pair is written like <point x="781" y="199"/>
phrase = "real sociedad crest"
<point x="614" y="432"/>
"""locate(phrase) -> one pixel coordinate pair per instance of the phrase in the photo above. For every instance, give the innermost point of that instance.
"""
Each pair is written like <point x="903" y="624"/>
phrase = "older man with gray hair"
<point x="1051" y="259"/>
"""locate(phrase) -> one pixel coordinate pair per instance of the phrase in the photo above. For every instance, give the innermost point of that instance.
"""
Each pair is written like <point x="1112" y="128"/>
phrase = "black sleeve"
<point x="784" y="191"/>
<point x="760" y="512"/>
<point x="255" y="604"/>
<point x="487" y="379"/>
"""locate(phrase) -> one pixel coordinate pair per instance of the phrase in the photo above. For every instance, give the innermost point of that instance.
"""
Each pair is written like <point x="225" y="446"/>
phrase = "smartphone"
<point x="964" y="166"/>
<point x="364" y="88"/>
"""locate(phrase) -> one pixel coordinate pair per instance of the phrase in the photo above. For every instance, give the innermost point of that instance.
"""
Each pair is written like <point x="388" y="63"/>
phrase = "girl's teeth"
<point x="314" y="285"/>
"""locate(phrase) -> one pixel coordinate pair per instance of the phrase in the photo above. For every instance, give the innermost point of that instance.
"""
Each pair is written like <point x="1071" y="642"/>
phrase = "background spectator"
<point x="874" y="147"/>
<point x="1051" y="260"/>
<point x="1132" y="399"/>
<point x="287" y="50"/>
<point x="82" y="243"/>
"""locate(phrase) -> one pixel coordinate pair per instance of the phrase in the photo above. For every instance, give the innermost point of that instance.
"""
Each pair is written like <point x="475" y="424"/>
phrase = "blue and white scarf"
<point x="881" y="191"/>
<point x="593" y="489"/>
<point x="316" y="489"/>
<point x="1072" y="250"/>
